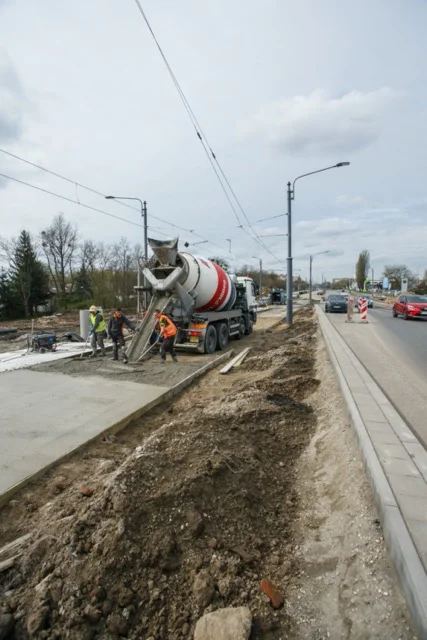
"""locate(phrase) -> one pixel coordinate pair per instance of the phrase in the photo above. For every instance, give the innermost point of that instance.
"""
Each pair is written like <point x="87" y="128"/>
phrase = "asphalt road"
<point x="408" y="338"/>
<point x="395" y="353"/>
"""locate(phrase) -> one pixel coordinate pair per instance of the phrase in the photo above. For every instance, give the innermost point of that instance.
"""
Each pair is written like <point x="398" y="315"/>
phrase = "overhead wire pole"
<point x="310" y="286"/>
<point x="260" y="274"/>
<point x="290" y="197"/>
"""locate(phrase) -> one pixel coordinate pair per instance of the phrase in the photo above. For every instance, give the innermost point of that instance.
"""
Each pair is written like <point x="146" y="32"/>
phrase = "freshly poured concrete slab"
<point x="45" y="416"/>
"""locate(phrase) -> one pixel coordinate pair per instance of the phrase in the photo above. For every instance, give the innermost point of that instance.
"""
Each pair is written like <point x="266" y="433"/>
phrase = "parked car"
<point x="336" y="303"/>
<point x="410" y="306"/>
<point x="368" y="298"/>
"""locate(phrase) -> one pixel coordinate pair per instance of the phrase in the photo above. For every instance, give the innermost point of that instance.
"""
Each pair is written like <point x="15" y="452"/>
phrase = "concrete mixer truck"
<point x="208" y="306"/>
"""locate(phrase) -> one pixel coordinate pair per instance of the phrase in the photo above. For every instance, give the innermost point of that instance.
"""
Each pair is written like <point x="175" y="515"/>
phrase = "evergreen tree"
<point x="7" y="302"/>
<point x="83" y="283"/>
<point x="29" y="279"/>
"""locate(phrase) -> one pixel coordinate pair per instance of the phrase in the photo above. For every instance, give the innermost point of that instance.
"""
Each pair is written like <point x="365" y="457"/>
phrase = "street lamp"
<point x="260" y="275"/>
<point x="229" y="243"/>
<point x="291" y="196"/>
<point x="319" y="253"/>
<point x="144" y="215"/>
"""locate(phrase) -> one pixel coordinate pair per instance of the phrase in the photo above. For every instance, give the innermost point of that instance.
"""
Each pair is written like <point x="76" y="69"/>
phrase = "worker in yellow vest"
<point x="98" y="331"/>
<point x="166" y="336"/>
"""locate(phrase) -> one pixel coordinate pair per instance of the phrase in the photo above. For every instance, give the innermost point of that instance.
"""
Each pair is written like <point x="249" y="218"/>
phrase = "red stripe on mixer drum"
<point x="222" y="291"/>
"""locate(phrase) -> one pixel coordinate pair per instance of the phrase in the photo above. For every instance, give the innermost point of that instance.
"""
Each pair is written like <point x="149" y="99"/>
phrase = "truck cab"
<point x="249" y="286"/>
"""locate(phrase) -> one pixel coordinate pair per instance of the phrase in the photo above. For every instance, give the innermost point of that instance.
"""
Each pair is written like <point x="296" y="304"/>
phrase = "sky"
<point x="280" y="88"/>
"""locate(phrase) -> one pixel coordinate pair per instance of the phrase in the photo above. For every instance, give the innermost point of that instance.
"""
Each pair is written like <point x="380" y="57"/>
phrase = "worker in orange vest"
<point x="166" y="336"/>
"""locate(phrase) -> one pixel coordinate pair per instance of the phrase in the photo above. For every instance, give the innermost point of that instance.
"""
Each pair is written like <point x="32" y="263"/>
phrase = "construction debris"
<point x="232" y="623"/>
<point x="140" y="551"/>
<point x="235" y="362"/>
<point x="192" y="506"/>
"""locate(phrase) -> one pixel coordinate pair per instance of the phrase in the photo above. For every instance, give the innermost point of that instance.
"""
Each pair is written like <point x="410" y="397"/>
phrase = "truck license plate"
<point x="194" y="339"/>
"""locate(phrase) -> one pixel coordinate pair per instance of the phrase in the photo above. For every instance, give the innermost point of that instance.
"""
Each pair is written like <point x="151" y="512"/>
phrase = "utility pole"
<point x="310" y="284"/>
<point x="289" y="305"/>
<point x="260" y="275"/>
<point x="144" y="215"/>
<point x="372" y="278"/>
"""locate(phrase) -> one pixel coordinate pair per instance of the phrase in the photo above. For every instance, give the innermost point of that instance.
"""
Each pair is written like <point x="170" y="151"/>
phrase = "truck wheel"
<point x="210" y="339"/>
<point x="222" y="336"/>
<point x="249" y="328"/>
<point x="242" y="330"/>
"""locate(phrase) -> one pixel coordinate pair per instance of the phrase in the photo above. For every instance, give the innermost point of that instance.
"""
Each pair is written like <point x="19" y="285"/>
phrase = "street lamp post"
<point x="144" y="216"/>
<point x="229" y="244"/>
<point x="310" y="286"/>
<point x="260" y="275"/>
<point x="291" y="196"/>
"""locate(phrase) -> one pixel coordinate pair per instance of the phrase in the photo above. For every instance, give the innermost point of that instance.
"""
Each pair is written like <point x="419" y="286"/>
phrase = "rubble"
<point x="232" y="623"/>
<point x="189" y="512"/>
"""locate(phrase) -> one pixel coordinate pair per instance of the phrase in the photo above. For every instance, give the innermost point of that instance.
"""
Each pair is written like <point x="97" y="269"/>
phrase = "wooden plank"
<point x="11" y="546"/>
<point x="8" y="564"/>
<point x="243" y="354"/>
<point x="234" y="361"/>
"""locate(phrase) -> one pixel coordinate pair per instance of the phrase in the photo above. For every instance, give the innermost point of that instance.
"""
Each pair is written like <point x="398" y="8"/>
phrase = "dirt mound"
<point x="191" y="521"/>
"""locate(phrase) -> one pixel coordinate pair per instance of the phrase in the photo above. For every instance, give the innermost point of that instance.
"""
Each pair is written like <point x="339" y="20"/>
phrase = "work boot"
<point x="114" y="358"/>
<point x="175" y="359"/>
<point x="125" y="360"/>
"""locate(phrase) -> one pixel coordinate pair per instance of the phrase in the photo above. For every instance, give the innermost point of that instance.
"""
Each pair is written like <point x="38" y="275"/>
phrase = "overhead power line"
<point x="205" y="143"/>
<point x="99" y="193"/>
<point x="58" y="195"/>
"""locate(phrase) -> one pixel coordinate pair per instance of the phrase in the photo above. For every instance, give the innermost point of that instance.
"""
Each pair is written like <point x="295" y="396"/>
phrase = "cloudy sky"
<point x="280" y="88"/>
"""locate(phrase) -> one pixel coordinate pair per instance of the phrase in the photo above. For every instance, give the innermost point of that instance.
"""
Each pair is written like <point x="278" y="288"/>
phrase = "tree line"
<point x="57" y="270"/>
<point x="270" y="279"/>
<point x="393" y="272"/>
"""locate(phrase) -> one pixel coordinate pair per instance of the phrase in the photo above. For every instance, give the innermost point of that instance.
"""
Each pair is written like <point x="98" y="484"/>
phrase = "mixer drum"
<point x="212" y="286"/>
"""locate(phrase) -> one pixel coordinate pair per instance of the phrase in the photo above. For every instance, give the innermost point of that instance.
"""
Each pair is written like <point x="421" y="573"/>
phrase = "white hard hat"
<point x="93" y="309"/>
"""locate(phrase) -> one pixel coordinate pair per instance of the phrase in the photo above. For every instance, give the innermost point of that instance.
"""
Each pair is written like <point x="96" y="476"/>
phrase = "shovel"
<point x="146" y="351"/>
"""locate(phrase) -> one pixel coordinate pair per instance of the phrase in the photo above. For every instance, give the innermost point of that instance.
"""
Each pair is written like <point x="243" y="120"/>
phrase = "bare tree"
<point x="395" y="273"/>
<point x="60" y="244"/>
<point x="125" y="274"/>
<point x="102" y="277"/>
<point x="89" y="253"/>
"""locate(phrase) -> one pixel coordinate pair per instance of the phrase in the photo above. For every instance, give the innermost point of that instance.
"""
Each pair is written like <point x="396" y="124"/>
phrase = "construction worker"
<point x="166" y="336"/>
<point x="98" y="331"/>
<point x="115" y="331"/>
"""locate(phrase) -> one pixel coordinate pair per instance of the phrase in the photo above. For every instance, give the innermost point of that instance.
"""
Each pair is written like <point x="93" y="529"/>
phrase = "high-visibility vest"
<point x="101" y="327"/>
<point x="170" y="328"/>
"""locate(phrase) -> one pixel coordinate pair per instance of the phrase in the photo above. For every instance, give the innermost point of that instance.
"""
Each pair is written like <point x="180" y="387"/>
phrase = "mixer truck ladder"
<point x="141" y="340"/>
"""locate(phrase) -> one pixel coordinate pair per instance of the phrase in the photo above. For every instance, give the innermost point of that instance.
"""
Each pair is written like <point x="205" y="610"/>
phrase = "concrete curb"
<point x="119" y="426"/>
<point x="404" y="555"/>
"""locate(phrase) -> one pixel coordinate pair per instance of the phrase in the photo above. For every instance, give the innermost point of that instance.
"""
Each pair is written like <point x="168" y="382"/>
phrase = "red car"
<point x="410" y="306"/>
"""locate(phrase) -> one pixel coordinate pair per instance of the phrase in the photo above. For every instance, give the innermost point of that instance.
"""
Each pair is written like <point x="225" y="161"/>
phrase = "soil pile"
<point x="190" y="522"/>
